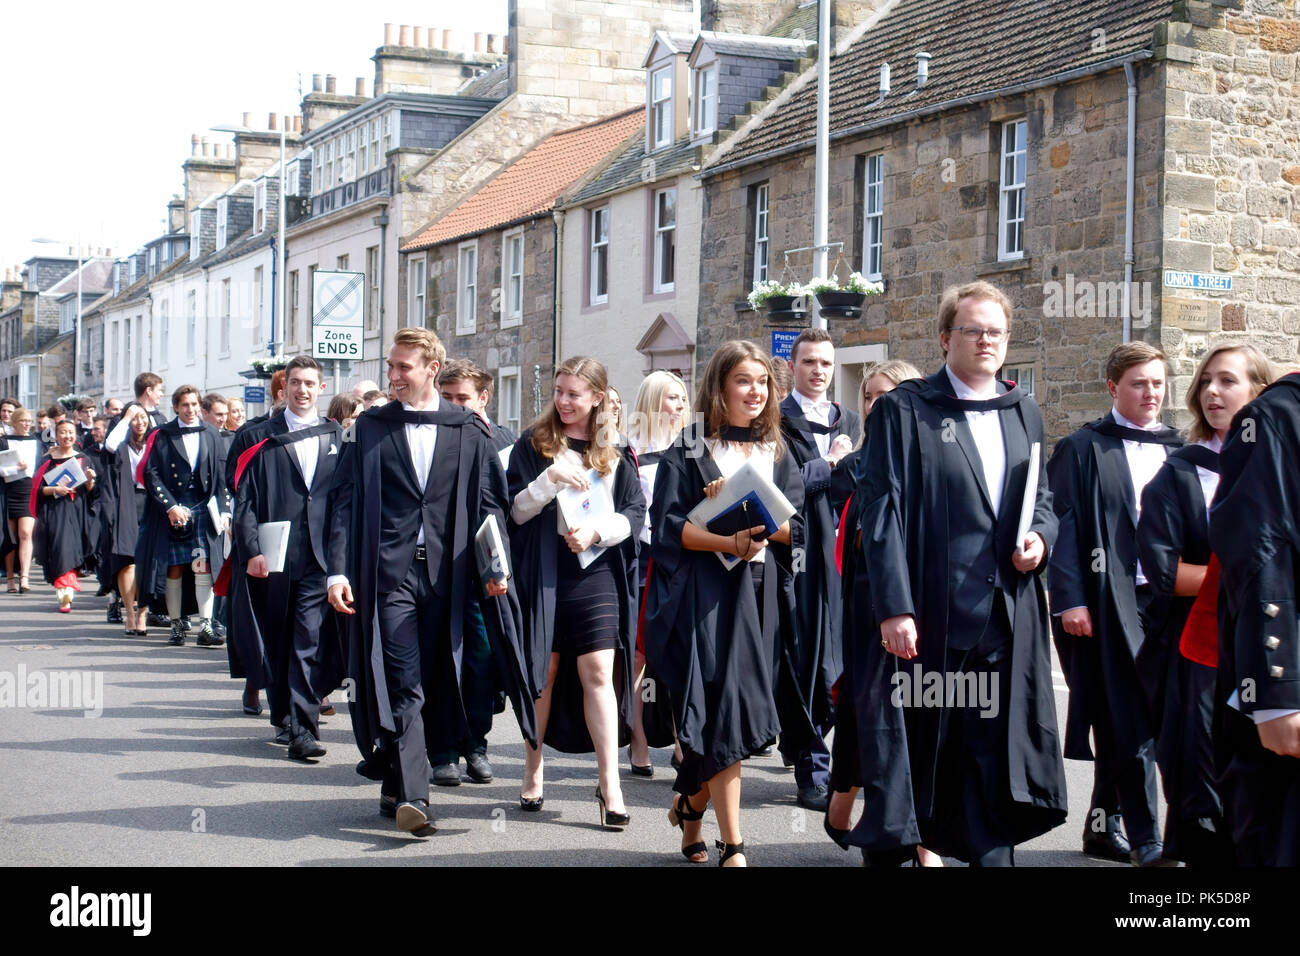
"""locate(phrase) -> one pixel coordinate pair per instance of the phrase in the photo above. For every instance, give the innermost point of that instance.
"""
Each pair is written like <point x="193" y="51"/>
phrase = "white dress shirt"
<point x="422" y="439"/>
<point x="1144" y="460"/>
<point x="816" y="411"/>
<point x="306" y="451"/>
<point x="986" y="430"/>
<point x="191" y="442"/>
<point x="541" y="491"/>
<point x="1209" y="479"/>
<point x="136" y="457"/>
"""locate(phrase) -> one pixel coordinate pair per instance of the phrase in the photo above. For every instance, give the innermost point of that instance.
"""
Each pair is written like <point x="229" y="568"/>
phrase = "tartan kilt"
<point x="181" y="551"/>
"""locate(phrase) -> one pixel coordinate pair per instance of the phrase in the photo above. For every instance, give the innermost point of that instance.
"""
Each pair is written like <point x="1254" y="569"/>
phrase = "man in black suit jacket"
<point x="416" y="481"/>
<point x="819" y="434"/>
<point x="280" y="615"/>
<point x="953" y="692"/>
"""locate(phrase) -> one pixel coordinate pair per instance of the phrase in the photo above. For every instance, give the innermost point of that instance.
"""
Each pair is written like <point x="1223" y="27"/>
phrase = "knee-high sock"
<point x="203" y="592"/>
<point x="174" y="598"/>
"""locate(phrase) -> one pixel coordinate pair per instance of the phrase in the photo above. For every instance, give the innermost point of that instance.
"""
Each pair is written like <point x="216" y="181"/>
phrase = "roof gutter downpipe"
<point x="1130" y="74"/>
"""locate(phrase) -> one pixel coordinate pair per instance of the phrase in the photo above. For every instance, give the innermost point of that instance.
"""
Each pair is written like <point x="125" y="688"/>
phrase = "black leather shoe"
<point x="219" y="629"/>
<point x="253" y="704"/>
<point x="1111" y="844"/>
<point x="446" y="775"/>
<point x="387" y="806"/>
<point x="157" y="620"/>
<point x="413" y="818"/>
<point x="185" y="623"/>
<point x="531" y="804"/>
<point x="835" y="833"/>
<point x="1150" y="854"/>
<point x="104" y="591"/>
<point x="114" y="615"/>
<point x="178" y="636"/>
<point x="206" y="637"/>
<point x="305" y="747"/>
<point x="480" y="771"/>
<point x="283" y="736"/>
<point x="647" y="771"/>
<point x="814" y="798"/>
<point x="763" y="751"/>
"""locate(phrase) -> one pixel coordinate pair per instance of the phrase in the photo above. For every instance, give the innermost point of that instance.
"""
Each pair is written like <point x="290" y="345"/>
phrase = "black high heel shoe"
<point x="679" y="814"/>
<point x="835" y="833"/>
<point x="531" y="805"/>
<point x="729" y="850"/>
<point x="608" y="818"/>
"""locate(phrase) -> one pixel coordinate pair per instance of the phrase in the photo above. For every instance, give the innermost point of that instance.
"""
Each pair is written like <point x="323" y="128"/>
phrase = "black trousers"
<point x="1261" y="795"/>
<point x="1125" y="783"/>
<point x="478" y="683"/>
<point x="423" y="692"/>
<point x="291" y="632"/>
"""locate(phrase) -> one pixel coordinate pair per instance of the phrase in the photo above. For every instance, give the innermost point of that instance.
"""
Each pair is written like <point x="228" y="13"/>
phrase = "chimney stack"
<point x="317" y="83"/>
<point x="329" y="82"/>
<point x="390" y="34"/>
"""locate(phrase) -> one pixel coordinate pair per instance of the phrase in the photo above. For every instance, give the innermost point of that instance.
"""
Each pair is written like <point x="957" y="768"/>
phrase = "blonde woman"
<point x="662" y="410"/>
<point x="18" y="497"/>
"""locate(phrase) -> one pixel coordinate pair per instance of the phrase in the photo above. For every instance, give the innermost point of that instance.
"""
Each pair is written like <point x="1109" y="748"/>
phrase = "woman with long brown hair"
<point x="577" y="580"/>
<point x="65" y="527"/>
<point x="710" y="630"/>
<point x="1179" y="653"/>
<point x="125" y="501"/>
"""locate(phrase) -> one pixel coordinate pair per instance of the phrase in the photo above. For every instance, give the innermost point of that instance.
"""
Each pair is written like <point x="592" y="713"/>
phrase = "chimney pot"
<point x="361" y="86"/>
<point x="432" y="35"/>
<point x="248" y="121"/>
<point x="922" y="69"/>
<point x="492" y="43"/>
<point x="446" y="39"/>
<point x="418" y="38"/>
<point x="297" y="124"/>
<point x="317" y="83"/>
<point x="404" y="35"/>
<point x="390" y="34"/>
<point x="884" y="79"/>
<point x="329" y="82"/>
<point x="271" y="121"/>
<point x="207" y="147"/>
<point x="478" y="42"/>
<point x="505" y="44"/>
<point x="194" y="144"/>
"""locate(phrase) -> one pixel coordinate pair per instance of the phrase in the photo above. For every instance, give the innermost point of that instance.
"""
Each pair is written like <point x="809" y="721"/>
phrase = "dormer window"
<point x="661" y="107"/>
<point x="706" y="100"/>
<point x="259" y="206"/>
<point x="223" y="207"/>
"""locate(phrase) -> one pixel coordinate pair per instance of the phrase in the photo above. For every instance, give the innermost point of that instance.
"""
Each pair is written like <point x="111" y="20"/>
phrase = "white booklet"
<point x="67" y="475"/>
<point x="1031" y="495"/>
<point x="504" y="455"/>
<point x="581" y="509"/>
<point x="9" y="461"/>
<point x="747" y="499"/>
<point x="273" y="539"/>
<point x="493" y="556"/>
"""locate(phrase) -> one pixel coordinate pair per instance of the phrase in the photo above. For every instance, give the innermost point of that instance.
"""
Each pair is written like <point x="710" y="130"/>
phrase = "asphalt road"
<point x="173" y="773"/>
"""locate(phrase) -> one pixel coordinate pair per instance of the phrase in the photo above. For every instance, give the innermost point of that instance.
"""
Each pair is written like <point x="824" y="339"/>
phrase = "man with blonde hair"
<point x="1100" y="597"/>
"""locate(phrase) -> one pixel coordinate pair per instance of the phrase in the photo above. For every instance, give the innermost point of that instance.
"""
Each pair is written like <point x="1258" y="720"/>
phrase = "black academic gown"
<point x="122" y="527"/>
<point x="1175" y="526"/>
<point x="923" y="469"/>
<point x="1094" y="565"/>
<point x="237" y="443"/>
<point x="1254" y="533"/>
<point x="375" y="470"/>
<point x="532" y="557"/>
<point x="65" y="533"/>
<point x="816" y="656"/>
<point x="706" y="634"/>
<point x="271" y="487"/>
<point x="166" y="470"/>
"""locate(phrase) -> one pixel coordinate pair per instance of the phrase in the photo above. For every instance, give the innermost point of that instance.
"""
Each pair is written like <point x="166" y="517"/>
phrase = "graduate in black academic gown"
<point x="1098" y="603"/>
<point x="579" y="623"/>
<point x="189" y="554"/>
<point x="819" y="434"/>
<point x="711" y="632"/>
<point x="18" y="519"/>
<point x="955" y="596"/>
<point x="406" y="595"/>
<point x="64" y="539"/>
<point x="280" y="615"/>
<point x="123" y="505"/>
<point x="1256" y="537"/>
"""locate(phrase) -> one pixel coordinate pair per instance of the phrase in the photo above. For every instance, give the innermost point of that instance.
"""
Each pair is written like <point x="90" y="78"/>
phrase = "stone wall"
<point x="941" y="194"/>
<point x="1231" y="178"/>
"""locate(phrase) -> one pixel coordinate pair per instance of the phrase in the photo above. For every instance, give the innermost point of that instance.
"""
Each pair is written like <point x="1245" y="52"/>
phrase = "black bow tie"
<point x="188" y="429"/>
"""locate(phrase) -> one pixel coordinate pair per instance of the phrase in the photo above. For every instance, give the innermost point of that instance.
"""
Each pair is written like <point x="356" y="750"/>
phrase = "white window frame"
<point x="126" y="343"/>
<point x="664" y="233"/>
<point x="223" y="328"/>
<point x="512" y="281"/>
<point x="291" y="326"/>
<point x="363" y="152"/>
<point x="417" y="289"/>
<point x="762" y="198"/>
<point x="376" y="155"/>
<point x="259" y="332"/>
<point x="223" y="208"/>
<point x="660" y="127"/>
<point x="705" y="112"/>
<point x="191" y="328"/>
<point x="372" y="286"/>
<point x="259" y="206"/>
<point x="1020" y="374"/>
<point x="389" y="131"/>
<point x="467" y="288"/>
<point x="164" y="332"/>
<point x="509" y="398"/>
<point x="598" y="244"/>
<point x="1011" y="189"/>
<point x="318" y="169"/>
<point x="28" y="386"/>
<point x="348" y="172"/>
<point x="329" y="164"/>
<point x="873" y="216"/>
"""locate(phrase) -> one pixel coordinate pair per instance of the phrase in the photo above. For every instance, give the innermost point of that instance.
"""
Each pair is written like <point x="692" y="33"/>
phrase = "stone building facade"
<point x="1213" y="91"/>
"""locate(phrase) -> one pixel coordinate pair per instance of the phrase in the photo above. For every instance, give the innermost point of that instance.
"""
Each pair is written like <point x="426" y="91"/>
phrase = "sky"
<point x="102" y="98"/>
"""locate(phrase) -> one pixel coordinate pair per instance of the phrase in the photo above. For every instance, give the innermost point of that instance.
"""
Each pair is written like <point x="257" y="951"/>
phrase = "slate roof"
<point x="96" y="276"/>
<point x="976" y="48"/>
<point x="760" y="47"/>
<point x="529" y="186"/>
<point x="492" y="84"/>
<point x="629" y="169"/>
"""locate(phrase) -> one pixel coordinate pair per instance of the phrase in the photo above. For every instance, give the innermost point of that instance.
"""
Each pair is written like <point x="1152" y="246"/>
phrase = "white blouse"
<point x="730" y="457"/>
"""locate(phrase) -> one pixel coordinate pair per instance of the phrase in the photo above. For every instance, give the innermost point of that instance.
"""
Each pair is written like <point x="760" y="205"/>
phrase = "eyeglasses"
<point x="973" y="333"/>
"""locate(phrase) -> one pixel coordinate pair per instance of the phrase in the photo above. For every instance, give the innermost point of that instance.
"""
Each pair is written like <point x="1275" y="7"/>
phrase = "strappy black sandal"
<point x="729" y="850"/>
<point x="679" y="817"/>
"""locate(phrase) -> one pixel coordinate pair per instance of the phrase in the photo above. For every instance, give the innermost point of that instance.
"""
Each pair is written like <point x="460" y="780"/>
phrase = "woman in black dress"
<point x="125" y="501"/>
<point x="1180" y="647"/>
<point x="579" y="621"/>
<point x="710" y="632"/>
<point x="18" y="498"/>
<point x="64" y="540"/>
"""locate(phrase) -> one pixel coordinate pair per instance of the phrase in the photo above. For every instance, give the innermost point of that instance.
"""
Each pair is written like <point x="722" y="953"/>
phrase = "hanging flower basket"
<point x="786" y="310"/>
<point x="843" y="302"/>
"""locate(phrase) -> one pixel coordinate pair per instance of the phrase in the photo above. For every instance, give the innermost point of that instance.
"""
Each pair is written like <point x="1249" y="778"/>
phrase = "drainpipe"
<point x="1130" y="74"/>
<point x="382" y="222"/>
<point x="557" y="318"/>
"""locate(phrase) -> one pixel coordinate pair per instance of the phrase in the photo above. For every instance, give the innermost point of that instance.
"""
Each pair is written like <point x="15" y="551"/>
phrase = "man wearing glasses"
<point x="953" y="688"/>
